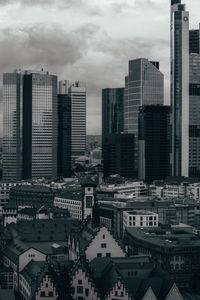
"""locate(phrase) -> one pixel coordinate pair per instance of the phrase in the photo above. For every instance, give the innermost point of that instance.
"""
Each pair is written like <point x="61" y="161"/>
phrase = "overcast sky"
<point x="87" y="40"/>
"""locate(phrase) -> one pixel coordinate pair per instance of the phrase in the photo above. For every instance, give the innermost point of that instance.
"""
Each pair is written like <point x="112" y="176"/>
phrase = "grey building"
<point x="76" y="93"/>
<point x="30" y="125"/>
<point x="194" y="113"/>
<point x="12" y="126"/>
<point x="144" y="85"/>
<point x="179" y="89"/>
<point x="39" y="125"/>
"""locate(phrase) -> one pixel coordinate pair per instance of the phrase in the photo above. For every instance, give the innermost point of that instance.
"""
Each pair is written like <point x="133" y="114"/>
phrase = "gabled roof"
<point x="107" y="271"/>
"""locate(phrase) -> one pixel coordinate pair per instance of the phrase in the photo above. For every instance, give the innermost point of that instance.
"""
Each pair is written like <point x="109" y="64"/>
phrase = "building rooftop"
<point x="166" y="238"/>
<point x="32" y="188"/>
<point x="140" y="212"/>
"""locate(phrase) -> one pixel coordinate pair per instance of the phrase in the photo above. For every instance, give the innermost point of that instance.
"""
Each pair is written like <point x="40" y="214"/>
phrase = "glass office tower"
<point x="64" y="135"/>
<point x="179" y="89"/>
<point x="112" y="110"/>
<point x="39" y="125"/>
<point x="144" y="85"/>
<point x="12" y="126"/>
<point x="77" y="92"/>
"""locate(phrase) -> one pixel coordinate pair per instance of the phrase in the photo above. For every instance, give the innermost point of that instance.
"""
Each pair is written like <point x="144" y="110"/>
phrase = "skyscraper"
<point x="77" y="93"/>
<point x="73" y="98"/>
<point x="144" y="85"/>
<point x="194" y="105"/>
<point x="112" y="110"/>
<point x="32" y="96"/>
<point x="64" y="135"/>
<point x="39" y="125"/>
<point x="118" y="154"/>
<point x="12" y="126"/>
<point x="179" y="89"/>
<point x="154" y="142"/>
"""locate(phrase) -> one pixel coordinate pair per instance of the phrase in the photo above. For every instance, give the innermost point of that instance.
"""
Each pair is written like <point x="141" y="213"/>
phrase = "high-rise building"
<point x="144" y="85"/>
<point x="179" y="89"/>
<point x="64" y="135"/>
<point x="12" y="126"/>
<point x="31" y="133"/>
<point x="112" y="110"/>
<point x="118" y="155"/>
<point x="194" y="39"/>
<point x="77" y="93"/>
<point x="72" y="123"/>
<point x="154" y="142"/>
<point x="194" y="110"/>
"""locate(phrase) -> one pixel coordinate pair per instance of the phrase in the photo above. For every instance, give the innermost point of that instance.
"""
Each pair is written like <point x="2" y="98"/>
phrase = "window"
<point x="86" y="292"/>
<point x="99" y="255"/>
<point x="116" y="293"/>
<point x="122" y="294"/>
<point x="103" y="245"/>
<point x="141" y="223"/>
<point x="50" y="294"/>
<point x="107" y="254"/>
<point x="103" y="236"/>
<point x="79" y="281"/>
<point x="79" y="289"/>
<point x="42" y="294"/>
<point x="88" y="201"/>
<point x="47" y="285"/>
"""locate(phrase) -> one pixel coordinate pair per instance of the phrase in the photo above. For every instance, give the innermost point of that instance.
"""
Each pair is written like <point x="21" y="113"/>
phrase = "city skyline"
<point x="93" y="47"/>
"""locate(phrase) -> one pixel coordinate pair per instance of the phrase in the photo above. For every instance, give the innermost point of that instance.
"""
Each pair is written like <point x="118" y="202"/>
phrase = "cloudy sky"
<point x="87" y="40"/>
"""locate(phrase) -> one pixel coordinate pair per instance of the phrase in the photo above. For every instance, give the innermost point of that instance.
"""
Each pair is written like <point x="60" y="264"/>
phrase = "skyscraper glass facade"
<point x="12" y="126"/>
<point x="180" y="89"/>
<point x="64" y="135"/>
<point x="78" y="119"/>
<point x="40" y="125"/>
<point x="144" y="85"/>
<point x="112" y="110"/>
<point x="194" y="113"/>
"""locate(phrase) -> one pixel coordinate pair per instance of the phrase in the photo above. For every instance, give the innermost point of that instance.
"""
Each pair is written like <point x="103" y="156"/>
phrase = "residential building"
<point x="64" y="135"/>
<point x="4" y="192"/>
<point x="31" y="195"/>
<point x="144" y="85"/>
<point x="118" y="155"/>
<point x="124" y="278"/>
<point x="91" y="243"/>
<point x="35" y="282"/>
<point x="139" y="218"/>
<point x="154" y="142"/>
<point x="179" y="88"/>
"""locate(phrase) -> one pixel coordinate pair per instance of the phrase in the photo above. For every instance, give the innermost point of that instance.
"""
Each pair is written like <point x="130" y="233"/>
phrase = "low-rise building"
<point x="124" y="278"/>
<point x="139" y="218"/>
<point x="175" y="248"/>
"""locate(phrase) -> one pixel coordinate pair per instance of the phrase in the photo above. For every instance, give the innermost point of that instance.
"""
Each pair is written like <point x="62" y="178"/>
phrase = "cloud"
<point x="46" y="45"/>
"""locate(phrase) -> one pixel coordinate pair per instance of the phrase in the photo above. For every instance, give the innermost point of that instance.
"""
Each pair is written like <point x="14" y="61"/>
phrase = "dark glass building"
<point x="144" y="85"/>
<point x="118" y="155"/>
<point x="64" y="135"/>
<point x="194" y="40"/>
<point x="112" y="110"/>
<point x="154" y="142"/>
